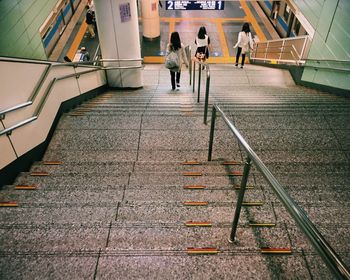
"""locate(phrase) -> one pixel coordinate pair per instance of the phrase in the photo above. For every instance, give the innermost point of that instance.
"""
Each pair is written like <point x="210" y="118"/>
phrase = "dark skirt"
<point x="203" y="50"/>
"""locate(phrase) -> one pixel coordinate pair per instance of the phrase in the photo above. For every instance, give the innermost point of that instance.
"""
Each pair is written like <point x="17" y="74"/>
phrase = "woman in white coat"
<point x="244" y="43"/>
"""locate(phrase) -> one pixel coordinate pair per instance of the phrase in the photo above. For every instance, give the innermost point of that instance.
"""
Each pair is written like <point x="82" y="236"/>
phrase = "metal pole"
<point x="206" y="98"/>
<point x="301" y="56"/>
<point x="282" y="50"/>
<point x="190" y="70"/>
<point x="266" y="50"/>
<point x="199" y="80"/>
<point x="212" y="128"/>
<point x="240" y="199"/>
<point x="194" y="74"/>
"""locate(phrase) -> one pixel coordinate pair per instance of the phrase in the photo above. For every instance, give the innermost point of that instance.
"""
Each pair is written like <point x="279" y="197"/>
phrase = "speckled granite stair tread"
<point x="98" y="215"/>
<point x="114" y="209"/>
<point x="122" y="167"/>
<point x="168" y="239"/>
<point x="165" y="212"/>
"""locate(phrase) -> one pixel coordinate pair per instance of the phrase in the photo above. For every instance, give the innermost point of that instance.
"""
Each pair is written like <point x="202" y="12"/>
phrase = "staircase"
<point x="125" y="190"/>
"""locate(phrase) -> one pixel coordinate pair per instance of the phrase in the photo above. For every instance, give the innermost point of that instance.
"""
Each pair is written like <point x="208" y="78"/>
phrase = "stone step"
<point x="136" y="167"/>
<point x="147" y="239"/>
<point x="80" y="194"/>
<point x="151" y="265"/>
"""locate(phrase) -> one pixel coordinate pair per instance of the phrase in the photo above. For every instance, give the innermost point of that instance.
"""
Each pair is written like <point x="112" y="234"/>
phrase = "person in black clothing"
<point x="90" y="21"/>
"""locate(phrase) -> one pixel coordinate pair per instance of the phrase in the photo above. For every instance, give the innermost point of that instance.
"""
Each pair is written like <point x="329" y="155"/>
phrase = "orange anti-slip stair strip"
<point x="8" y="204"/>
<point x="252" y="203"/>
<point x="192" y="250"/>
<point x="194" y="187"/>
<point x="262" y="224"/>
<point x="39" y="174"/>
<point x="76" y="114"/>
<point x="236" y="173"/>
<point x="231" y="163"/>
<point x="25" y="187"/>
<point x="267" y="250"/>
<point x="198" y="224"/>
<point x="195" y="203"/>
<point x="247" y="187"/>
<point x="192" y="174"/>
<point x="52" y="162"/>
<point x="191" y="163"/>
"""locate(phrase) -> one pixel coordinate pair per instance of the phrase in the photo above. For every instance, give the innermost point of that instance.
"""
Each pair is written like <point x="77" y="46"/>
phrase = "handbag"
<point x="202" y="56"/>
<point x="172" y="61"/>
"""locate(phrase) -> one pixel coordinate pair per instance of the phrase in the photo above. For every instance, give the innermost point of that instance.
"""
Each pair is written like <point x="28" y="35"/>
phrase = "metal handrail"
<point x="14" y="108"/>
<point x="331" y="60"/>
<point x="9" y="130"/>
<point x="38" y="110"/>
<point x="328" y="68"/>
<point x="207" y="84"/>
<point x="120" y="59"/>
<point x="47" y="70"/>
<point x="121" y="67"/>
<point x="49" y="87"/>
<point x="263" y="50"/>
<point x="285" y="39"/>
<point x="329" y="256"/>
<point x="200" y="64"/>
<point x="20" y="60"/>
<point x="188" y="51"/>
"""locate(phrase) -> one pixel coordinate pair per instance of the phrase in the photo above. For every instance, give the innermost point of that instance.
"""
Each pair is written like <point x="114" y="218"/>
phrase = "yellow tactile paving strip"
<point x="75" y="45"/>
<point x="225" y="58"/>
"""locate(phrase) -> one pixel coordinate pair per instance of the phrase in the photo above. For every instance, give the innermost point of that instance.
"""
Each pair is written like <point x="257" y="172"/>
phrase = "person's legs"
<point x="178" y="74"/>
<point x="243" y="58"/>
<point x="239" y="50"/>
<point x="172" y="75"/>
<point x="91" y="30"/>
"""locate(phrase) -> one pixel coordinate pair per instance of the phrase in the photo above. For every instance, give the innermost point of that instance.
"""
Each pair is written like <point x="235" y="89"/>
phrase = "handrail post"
<point x="199" y="80"/>
<point x="190" y="70"/>
<point x="206" y="97"/>
<point x="194" y="75"/>
<point x="212" y="128"/>
<point x="303" y="48"/>
<point x="188" y="48"/>
<point x="240" y="199"/>
<point x="282" y="50"/>
<point x="266" y="50"/>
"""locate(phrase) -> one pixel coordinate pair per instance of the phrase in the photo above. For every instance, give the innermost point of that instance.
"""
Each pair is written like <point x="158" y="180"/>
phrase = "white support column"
<point x="118" y="31"/>
<point x="150" y="19"/>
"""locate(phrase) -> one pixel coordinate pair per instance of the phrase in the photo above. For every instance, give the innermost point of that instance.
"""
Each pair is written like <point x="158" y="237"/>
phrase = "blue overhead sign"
<point x="194" y="5"/>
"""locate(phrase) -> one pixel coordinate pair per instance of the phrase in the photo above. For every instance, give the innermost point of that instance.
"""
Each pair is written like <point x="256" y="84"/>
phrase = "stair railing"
<point x="328" y="64"/>
<point x="286" y="50"/>
<point x="329" y="256"/>
<point x="41" y="81"/>
<point x="32" y="115"/>
<point x="205" y="66"/>
<point x="188" y="52"/>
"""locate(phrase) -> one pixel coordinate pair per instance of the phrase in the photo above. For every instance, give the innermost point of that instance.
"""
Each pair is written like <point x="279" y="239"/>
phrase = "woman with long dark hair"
<point x="244" y="43"/>
<point x="176" y="46"/>
<point x="203" y="44"/>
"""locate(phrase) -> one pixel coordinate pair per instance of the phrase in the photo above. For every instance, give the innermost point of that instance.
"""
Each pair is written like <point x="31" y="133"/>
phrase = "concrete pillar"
<point x="150" y="19"/>
<point x="118" y="32"/>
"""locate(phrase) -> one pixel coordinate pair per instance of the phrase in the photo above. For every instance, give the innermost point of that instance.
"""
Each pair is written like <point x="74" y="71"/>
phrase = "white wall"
<point x="17" y="87"/>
